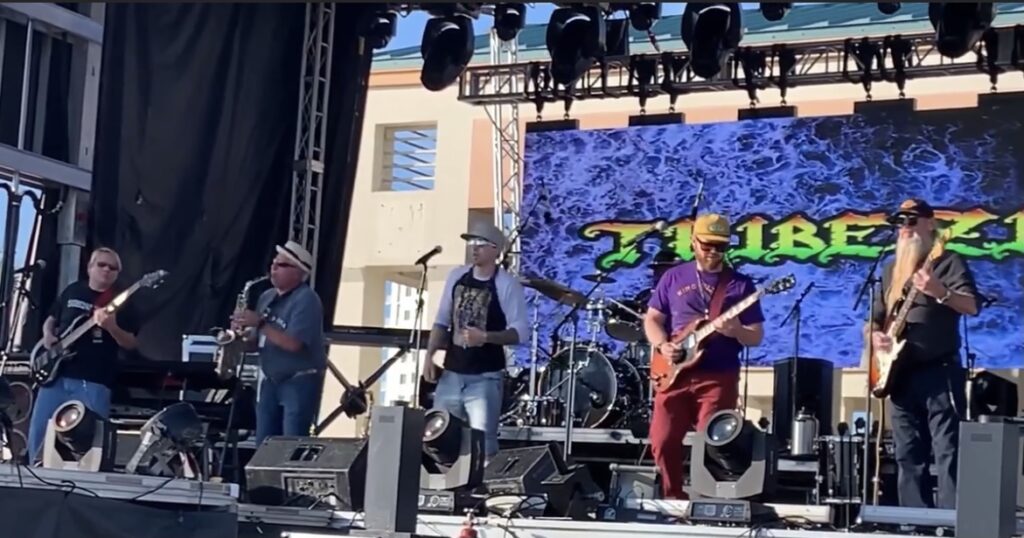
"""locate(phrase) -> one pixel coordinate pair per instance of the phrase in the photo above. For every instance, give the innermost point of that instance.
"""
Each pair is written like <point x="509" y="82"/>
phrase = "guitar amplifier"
<point x="19" y="376"/>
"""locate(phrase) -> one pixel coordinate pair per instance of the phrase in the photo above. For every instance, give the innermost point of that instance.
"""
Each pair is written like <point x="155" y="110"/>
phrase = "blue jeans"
<point x="95" y="396"/>
<point x="475" y="398"/>
<point x="288" y="407"/>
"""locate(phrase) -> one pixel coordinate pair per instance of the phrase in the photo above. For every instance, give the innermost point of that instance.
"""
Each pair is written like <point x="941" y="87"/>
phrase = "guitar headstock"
<point x="940" y="245"/>
<point x="778" y="286"/>
<point x="154" y="279"/>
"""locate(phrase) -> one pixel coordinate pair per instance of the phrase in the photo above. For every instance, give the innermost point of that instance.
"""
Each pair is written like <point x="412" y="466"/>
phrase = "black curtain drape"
<point x="349" y="80"/>
<point x="195" y="137"/>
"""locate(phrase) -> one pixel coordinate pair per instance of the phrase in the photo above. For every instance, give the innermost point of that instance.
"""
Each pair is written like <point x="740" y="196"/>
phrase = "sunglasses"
<point x="717" y="247"/>
<point x="105" y="265"/>
<point x="282" y="264"/>
<point x="480" y="243"/>
<point x="903" y="220"/>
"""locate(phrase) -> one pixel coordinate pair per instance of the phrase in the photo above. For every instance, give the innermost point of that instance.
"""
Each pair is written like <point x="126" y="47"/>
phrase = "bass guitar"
<point x="46" y="363"/>
<point x="885" y="364"/>
<point x="665" y="371"/>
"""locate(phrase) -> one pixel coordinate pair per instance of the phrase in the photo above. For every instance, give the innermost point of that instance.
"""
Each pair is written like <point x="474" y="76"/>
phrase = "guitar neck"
<point x="900" y="320"/>
<point x="111" y="307"/>
<point x="732" y="312"/>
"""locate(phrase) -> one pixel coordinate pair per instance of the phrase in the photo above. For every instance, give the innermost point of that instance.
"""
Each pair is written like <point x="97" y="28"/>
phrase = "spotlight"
<point x="448" y="44"/>
<point x="166" y="438"/>
<point x="711" y="31"/>
<point x="575" y="40"/>
<point x="889" y="8"/>
<point x="509" y="20"/>
<point x="732" y="459"/>
<point x="77" y="438"/>
<point x="380" y="28"/>
<point x="775" y="11"/>
<point x="643" y="15"/>
<point x="959" y="26"/>
<point x="453" y="453"/>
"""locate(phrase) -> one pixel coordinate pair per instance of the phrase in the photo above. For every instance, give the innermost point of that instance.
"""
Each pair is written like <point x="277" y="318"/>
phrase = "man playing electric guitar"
<point x="685" y="293"/>
<point x="88" y="375"/>
<point x="927" y="384"/>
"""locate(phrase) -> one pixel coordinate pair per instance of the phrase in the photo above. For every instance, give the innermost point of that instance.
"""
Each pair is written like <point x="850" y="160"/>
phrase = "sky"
<point x="410" y="28"/>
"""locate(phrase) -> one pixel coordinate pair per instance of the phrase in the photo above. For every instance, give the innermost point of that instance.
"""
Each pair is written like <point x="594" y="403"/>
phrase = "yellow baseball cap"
<point x="712" y="228"/>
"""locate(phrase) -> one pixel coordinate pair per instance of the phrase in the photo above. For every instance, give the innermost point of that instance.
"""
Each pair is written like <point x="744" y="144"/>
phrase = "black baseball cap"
<point x="915" y="207"/>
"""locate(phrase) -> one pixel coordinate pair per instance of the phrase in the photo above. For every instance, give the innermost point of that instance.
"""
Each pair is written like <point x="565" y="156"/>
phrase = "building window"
<point x="405" y="315"/>
<point x="409" y="155"/>
<point x="401" y="379"/>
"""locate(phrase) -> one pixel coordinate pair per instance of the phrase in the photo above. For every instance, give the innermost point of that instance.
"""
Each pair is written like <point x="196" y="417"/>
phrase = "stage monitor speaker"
<point x="18" y="375"/>
<point x="308" y="471"/>
<point x="813" y="391"/>
<point x="540" y="470"/>
<point x="993" y="395"/>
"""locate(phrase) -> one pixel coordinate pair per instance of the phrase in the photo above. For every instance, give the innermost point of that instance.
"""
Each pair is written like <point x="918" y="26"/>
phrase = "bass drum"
<point x="607" y="392"/>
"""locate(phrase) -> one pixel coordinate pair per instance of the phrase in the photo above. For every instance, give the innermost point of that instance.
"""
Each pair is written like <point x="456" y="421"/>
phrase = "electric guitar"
<point x="665" y="371"/>
<point x="886" y="363"/>
<point x="46" y="363"/>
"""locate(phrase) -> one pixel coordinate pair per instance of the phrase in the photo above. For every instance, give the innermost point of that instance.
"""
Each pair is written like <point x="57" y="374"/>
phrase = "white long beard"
<point x="909" y="253"/>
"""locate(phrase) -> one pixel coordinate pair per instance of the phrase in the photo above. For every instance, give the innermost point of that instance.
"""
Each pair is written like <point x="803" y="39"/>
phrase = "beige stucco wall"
<point x="390" y="229"/>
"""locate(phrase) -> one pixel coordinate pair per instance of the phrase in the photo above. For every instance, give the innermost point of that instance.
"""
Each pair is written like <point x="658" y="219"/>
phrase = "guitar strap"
<point x="718" y="296"/>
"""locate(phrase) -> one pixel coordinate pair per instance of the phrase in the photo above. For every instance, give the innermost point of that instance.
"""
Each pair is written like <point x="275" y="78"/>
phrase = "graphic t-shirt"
<point x="96" y="352"/>
<point x="684" y="294"/>
<point x="475" y="304"/>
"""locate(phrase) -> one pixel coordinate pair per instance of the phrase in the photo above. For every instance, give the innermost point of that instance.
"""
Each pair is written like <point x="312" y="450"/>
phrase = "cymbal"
<point x="555" y="291"/>
<point x="604" y="279"/>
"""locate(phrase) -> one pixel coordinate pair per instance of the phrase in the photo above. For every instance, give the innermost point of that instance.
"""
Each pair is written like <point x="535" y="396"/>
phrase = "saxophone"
<point x="231" y="344"/>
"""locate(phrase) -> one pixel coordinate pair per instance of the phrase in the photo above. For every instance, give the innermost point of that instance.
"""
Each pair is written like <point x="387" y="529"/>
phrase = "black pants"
<point x="926" y="410"/>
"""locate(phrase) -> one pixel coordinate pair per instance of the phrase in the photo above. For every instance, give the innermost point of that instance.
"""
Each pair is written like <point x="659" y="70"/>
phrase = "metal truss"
<point x="507" y="165"/>
<point x="311" y="131"/>
<point x="864" y="61"/>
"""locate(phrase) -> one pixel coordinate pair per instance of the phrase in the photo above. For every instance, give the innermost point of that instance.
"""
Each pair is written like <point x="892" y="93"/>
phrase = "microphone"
<point x="426" y="257"/>
<point x="697" y="199"/>
<point x="656" y="228"/>
<point x="39" y="265"/>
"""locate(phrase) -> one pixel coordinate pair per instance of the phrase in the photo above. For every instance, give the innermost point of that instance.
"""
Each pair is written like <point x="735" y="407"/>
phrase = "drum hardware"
<point x="599" y="278"/>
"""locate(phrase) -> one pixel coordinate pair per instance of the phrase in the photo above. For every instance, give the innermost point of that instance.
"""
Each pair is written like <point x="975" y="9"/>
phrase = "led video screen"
<point x="806" y="196"/>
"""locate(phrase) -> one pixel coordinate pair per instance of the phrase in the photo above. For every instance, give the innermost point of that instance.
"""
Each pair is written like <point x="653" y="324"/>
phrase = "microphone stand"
<point x="795" y="312"/>
<point x="417" y="331"/>
<point x="869" y="287"/>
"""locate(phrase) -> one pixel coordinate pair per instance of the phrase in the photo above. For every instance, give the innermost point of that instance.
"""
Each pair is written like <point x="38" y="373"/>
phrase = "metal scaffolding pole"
<point x="311" y="130"/>
<point x="508" y="185"/>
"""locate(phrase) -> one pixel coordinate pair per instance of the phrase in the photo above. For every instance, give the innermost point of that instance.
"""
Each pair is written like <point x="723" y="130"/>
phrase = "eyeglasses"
<point x="480" y="243"/>
<point x="717" y="247"/>
<point x="903" y="220"/>
<point x="105" y="265"/>
<point x="282" y="264"/>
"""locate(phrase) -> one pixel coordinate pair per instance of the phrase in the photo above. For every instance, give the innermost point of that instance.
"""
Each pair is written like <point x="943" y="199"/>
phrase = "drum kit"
<point x="583" y="377"/>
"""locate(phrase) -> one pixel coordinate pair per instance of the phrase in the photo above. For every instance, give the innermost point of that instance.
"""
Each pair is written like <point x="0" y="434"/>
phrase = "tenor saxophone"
<point x="231" y="344"/>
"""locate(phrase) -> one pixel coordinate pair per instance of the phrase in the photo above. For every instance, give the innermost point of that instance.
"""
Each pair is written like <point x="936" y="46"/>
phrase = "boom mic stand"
<point x="416" y="336"/>
<point x="869" y="287"/>
<point x="795" y="312"/>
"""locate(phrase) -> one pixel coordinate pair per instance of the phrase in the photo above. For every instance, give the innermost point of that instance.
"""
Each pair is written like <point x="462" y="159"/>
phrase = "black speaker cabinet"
<point x="18" y="375"/>
<point x="522" y="470"/>
<point x="306" y="471"/>
<point x="812" y="391"/>
<point x="993" y="395"/>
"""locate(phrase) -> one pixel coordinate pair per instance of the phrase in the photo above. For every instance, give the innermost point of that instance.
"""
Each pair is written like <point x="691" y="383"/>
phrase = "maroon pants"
<point x="686" y="407"/>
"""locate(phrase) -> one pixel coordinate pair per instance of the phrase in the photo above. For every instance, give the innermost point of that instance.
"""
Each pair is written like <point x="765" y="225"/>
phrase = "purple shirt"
<point x="679" y="297"/>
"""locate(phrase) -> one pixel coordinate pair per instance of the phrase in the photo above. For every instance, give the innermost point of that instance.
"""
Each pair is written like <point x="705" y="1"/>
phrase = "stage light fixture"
<point x="380" y="28"/>
<point x="575" y="40"/>
<point x="448" y="44"/>
<point x="889" y="8"/>
<point x="959" y="26"/>
<point x="775" y="11"/>
<point x="643" y="15"/>
<point x="711" y="31"/>
<point x="166" y="439"/>
<point x="732" y="458"/>
<point x="453" y="453"/>
<point x="993" y="395"/>
<point x="509" y="20"/>
<point x="78" y="438"/>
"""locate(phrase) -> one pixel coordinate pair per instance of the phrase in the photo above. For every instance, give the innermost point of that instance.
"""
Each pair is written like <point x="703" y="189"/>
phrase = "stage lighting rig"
<point x="711" y="31"/>
<point x="775" y="11"/>
<point x="166" y="439"/>
<point x="643" y="15"/>
<point x="453" y="453"/>
<point x="889" y="8"/>
<point x="509" y="20"/>
<point x="448" y="43"/>
<point x="959" y="26"/>
<point x="732" y="465"/>
<point x="77" y="438"/>
<point x="379" y="28"/>
<point x="575" y="40"/>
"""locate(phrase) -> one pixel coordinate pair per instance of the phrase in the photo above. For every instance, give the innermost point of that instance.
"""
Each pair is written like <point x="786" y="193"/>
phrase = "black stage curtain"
<point x="41" y="513"/>
<point x="195" y="137"/>
<point x="349" y="79"/>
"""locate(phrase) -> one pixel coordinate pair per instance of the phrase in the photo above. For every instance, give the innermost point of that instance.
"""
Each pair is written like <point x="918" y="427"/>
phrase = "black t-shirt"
<point x="933" y="330"/>
<point x="96" y="352"/>
<point x="475" y="304"/>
